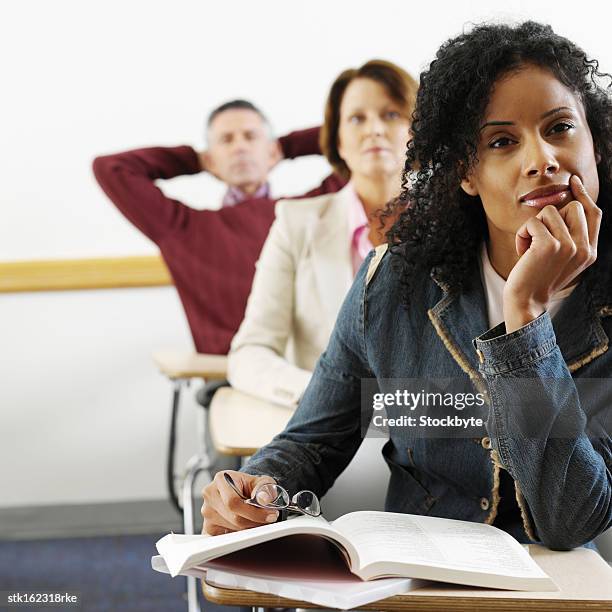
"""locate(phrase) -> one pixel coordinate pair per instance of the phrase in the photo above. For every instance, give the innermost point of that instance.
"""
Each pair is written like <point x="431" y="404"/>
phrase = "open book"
<point x="316" y="573"/>
<point x="384" y="545"/>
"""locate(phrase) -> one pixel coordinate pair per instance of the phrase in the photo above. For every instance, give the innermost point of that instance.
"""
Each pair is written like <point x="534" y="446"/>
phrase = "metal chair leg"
<point x="200" y="458"/>
<point x="198" y="463"/>
<point x="195" y="465"/>
<point x="193" y="605"/>
<point x="176" y="398"/>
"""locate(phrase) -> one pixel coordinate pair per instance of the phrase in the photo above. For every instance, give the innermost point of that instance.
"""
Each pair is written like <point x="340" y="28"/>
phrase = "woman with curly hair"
<point x="504" y="227"/>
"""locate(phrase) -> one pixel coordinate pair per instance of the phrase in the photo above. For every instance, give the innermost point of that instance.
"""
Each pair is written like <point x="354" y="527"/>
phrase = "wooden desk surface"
<point x="183" y="364"/>
<point x="240" y="423"/>
<point x="583" y="577"/>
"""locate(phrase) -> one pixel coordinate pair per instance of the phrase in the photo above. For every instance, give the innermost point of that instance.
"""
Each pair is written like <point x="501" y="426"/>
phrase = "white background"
<point x="83" y="413"/>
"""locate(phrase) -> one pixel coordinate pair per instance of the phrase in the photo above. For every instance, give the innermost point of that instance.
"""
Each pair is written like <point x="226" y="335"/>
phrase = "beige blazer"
<point x="302" y="276"/>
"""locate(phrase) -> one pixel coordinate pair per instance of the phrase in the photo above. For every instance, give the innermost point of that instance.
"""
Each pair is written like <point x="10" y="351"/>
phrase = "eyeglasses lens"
<point x="308" y="502"/>
<point x="271" y="495"/>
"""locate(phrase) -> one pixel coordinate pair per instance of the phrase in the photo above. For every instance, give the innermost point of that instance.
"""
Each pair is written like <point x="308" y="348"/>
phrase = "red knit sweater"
<point x="211" y="254"/>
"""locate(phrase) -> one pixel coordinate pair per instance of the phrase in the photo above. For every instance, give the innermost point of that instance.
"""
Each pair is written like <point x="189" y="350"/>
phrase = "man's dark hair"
<point x="441" y="227"/>
<point x="235" y="105"/>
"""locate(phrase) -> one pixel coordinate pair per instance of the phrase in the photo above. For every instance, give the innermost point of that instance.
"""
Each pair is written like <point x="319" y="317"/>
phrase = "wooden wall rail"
<point x="76" y="274"/>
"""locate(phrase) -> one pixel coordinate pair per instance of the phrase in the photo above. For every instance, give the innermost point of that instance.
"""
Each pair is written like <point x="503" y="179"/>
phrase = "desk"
<point x="184" y="365"/>
<point x="584" y="579"/>
<point x="240" y="424"/>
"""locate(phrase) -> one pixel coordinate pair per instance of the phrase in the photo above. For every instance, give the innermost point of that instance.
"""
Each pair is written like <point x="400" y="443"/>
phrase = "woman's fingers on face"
<point x="522" y="243"/>
<point x="558" y="228"/>
<point x="580" y="193"/>
<point x="526" y="234"/>
<point x="523" y="239"/>
<point x="591" y="210"/>
<point x="575" y="218"/>
<point x="534" y="229"/>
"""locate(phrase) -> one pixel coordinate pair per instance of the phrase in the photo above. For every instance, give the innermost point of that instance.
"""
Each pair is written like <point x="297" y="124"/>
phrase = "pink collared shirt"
<point x="234" y="195"/>
<point x="359" y="229"/>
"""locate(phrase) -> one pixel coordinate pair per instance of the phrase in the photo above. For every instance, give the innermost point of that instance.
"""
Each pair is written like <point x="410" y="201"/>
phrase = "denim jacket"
<point x="563" y="484"/>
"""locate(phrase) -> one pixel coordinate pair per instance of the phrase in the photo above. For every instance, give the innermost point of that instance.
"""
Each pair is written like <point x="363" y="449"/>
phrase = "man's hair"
<point x="237" y="104"/>
<point x="400" y="86"/>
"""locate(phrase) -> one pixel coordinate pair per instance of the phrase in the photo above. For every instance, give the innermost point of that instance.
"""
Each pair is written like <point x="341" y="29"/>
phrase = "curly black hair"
<point x="439" y="228"/>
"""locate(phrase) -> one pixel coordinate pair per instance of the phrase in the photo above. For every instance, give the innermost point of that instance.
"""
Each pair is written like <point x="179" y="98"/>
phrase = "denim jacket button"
<point x="480" y="355"/>
<point x="484" y="503"/>
<point x="486" y="443"/>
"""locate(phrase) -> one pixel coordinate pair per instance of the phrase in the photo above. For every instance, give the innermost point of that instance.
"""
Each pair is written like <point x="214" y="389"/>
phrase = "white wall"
<point x="81" y="78"/>
<point x="84" y="413"/>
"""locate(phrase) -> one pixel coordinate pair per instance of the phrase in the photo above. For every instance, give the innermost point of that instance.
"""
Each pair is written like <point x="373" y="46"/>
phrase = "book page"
<point x="308" y="568"/>
<point x="299" y="557"/>
<point x="386" y="537"/>
<point x="183" y="551"/>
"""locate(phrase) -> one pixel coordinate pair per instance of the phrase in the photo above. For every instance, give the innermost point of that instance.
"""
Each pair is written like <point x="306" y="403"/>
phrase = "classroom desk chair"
<point x="181" y="368"/>
<point x="240" y="424"/>
<point x="233" y="429"/>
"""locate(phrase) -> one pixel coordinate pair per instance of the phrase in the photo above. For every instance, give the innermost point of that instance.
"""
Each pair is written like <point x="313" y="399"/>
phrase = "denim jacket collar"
<point x="459" y="317"/>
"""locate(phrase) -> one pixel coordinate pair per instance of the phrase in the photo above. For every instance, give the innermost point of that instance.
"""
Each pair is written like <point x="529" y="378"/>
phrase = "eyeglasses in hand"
<point x="274" y="497"/>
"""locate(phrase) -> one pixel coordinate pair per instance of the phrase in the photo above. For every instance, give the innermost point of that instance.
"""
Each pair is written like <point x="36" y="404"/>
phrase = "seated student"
<point x="211" y="254"/>
<point x="313" y="251"/>
<point x="507" y="176"/>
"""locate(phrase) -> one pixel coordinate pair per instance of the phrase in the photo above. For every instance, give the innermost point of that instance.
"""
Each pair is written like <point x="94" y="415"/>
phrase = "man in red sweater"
<point x="211" y="254"/>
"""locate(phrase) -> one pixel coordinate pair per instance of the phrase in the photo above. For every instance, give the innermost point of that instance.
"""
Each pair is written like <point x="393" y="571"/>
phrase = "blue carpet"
<point x="111" y="573"/>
